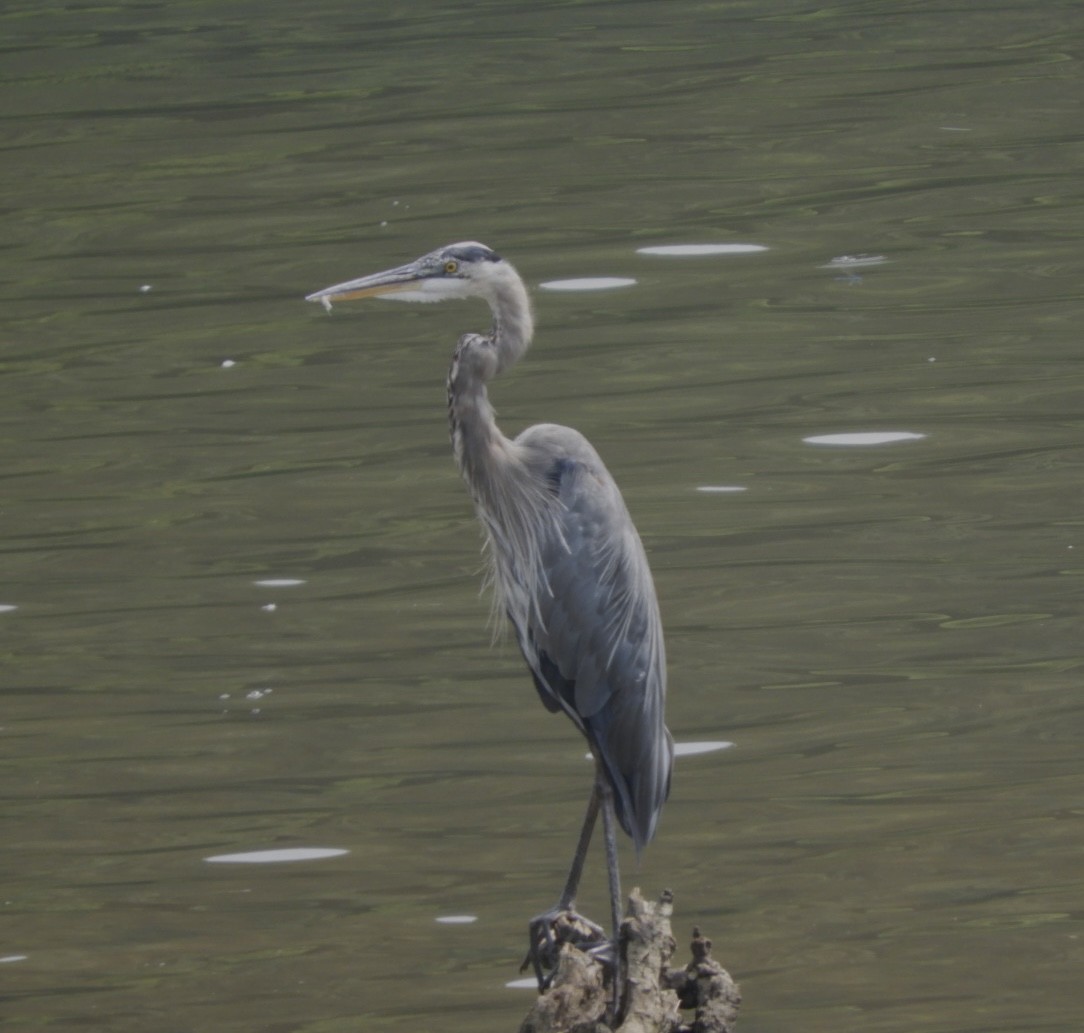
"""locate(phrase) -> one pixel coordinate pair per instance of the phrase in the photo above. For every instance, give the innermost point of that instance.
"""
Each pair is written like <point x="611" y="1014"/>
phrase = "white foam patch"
<point x="861" y="438"/>
<point x="283" y="856"/>
<point x="721" y="489"/>
<point x="588" y="283"/>
<point x="854" y="261"/>
<point x="691" y="749"/>
<point x="279" y="582"/>
<point x="692" y="250"/>
<point x="456" y="919"/>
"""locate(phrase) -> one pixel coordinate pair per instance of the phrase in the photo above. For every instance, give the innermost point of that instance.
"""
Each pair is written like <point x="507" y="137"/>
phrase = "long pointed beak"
<point x="391" y="281"/>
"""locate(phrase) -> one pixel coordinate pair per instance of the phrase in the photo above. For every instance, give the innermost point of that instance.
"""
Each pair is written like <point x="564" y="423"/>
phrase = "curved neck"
<point x="477" y="441"/>
<point x="508" y="499"/>
<point x="513" y="323"/>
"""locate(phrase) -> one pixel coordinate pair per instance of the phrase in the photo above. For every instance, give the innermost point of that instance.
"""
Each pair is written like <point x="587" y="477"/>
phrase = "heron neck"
<point x="513" y="323"/>
<point x="484" y="455"/>
<point x="477" y="441"/>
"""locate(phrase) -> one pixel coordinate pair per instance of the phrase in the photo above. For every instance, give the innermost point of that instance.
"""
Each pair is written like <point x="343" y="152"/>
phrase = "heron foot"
<point x="549" y="931"/>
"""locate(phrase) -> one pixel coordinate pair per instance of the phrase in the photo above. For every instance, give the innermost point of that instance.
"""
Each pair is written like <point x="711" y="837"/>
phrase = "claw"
<point x="547" y="933"/>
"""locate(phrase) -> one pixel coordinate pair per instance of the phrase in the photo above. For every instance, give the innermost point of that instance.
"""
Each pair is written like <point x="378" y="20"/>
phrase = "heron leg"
<point x="575" y="871"/>
<point x="544" y="938"/>
<point x="609" y="831"/>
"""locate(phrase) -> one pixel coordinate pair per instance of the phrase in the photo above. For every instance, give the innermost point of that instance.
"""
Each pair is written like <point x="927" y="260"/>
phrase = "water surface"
<point x="239" y="593"/>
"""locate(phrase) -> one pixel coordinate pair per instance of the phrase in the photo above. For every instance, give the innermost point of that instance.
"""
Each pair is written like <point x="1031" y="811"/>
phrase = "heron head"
<point x="464" y="270"/>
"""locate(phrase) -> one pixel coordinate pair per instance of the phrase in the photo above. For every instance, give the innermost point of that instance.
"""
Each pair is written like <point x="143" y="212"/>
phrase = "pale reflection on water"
<point x="891" y="632"/>
<point x="588" y="283"/>
<point x="698" y="250"/>
<point x="283" y="855"/>
<point x="693" y="749"/>
<point x="860" y="438"/>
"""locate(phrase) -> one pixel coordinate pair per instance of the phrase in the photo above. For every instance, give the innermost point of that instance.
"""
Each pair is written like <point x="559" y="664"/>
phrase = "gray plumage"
<point x="566" y="563"/>
<point x="591" y="632"/>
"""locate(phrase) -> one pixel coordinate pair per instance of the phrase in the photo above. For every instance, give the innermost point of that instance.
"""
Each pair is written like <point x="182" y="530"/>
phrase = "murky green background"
<point x="891" y="635"/>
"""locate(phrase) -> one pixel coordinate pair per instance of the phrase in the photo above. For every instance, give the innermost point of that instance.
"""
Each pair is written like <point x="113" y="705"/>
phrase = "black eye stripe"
<point x="473" y="254"/>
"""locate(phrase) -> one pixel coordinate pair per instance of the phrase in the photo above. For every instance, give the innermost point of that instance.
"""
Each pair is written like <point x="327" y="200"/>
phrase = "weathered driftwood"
<point x="654" y="994"/>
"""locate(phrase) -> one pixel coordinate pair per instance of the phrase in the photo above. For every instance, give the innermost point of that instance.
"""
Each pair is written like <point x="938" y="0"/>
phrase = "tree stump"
<point x="653" y="993"/>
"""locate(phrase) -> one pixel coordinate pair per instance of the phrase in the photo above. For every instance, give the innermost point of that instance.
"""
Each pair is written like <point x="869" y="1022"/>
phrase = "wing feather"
<point x="591" y="635"/>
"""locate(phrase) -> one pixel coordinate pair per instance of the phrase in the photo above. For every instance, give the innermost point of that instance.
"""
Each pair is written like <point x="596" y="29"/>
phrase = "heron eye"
<point x="451" y="266"/>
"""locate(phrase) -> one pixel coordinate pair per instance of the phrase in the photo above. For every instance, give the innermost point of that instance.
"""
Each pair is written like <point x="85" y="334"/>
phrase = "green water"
<point x="890" y="634"/>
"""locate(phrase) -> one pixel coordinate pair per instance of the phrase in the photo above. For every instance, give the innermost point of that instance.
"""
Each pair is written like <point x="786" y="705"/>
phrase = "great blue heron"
<point x="566" y="563"/>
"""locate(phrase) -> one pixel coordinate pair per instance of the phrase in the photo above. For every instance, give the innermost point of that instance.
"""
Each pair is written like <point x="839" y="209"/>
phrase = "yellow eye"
<point x="451" y="266"/>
